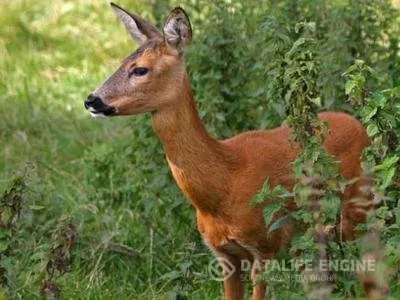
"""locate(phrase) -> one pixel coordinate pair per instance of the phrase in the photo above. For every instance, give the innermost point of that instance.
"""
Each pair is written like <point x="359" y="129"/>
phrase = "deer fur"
<point x="220" y="177"/>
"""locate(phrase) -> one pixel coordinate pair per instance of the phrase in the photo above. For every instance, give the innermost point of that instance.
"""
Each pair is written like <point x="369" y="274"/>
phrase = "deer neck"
<point x="200" y="164"/>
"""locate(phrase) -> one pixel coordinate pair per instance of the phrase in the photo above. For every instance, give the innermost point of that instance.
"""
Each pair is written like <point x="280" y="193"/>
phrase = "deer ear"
<point x="139" y="29"/>
<point x="177" y="30"/>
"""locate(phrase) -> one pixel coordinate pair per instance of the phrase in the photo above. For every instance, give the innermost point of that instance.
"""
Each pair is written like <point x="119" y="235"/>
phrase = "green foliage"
<point x="276" y="197"/>
<point x="317" y="174"/>
<point x="318" y="181"/>
<point x="251" y="67"/>
<point x="380" y="113"/>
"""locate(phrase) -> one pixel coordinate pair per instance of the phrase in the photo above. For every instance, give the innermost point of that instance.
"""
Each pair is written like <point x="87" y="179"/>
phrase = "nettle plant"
<point x="316" y="172"/>
<point x="380" y="113"/>
<point x="318" y="179"/>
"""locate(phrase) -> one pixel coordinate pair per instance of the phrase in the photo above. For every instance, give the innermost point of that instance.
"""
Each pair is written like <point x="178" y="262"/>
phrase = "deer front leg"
<point x="258" y="286"/>
<point x="258" y="267"/>
<point x="233" y="278"/>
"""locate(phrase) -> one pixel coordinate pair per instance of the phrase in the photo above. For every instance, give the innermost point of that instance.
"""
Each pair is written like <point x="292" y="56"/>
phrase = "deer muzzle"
<point x="96" y="106"/>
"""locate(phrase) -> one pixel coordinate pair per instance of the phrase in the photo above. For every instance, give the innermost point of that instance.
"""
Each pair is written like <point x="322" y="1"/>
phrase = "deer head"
<point x="147" y="80"/>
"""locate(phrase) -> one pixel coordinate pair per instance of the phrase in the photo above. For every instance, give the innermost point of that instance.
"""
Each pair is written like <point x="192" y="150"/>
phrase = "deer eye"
<point x="138" y="72"/>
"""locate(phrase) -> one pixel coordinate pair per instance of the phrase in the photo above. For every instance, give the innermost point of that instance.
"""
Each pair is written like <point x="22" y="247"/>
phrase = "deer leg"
<point x="233" y="278"/>
<point x="258" y="286"/>
<point x="356" y="204"/>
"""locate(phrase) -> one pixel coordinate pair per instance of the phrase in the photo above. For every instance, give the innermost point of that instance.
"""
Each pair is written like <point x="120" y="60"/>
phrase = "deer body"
<point x="219" y="177"/>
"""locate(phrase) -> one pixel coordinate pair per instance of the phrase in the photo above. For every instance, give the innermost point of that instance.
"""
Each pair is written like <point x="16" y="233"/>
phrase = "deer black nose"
<point x="94" y="102"/>
<point x="97" y="106"/>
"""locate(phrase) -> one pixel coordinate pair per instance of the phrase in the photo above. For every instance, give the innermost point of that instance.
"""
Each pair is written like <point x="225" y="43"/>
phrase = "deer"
<point x="220" y="177"/>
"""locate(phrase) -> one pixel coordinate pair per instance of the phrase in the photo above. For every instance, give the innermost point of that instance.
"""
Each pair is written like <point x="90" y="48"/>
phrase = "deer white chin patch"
<point x="98" y="115"/>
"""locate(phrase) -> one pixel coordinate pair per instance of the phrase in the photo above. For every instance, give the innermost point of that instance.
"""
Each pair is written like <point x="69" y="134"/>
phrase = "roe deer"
<point x="219" y="177"/>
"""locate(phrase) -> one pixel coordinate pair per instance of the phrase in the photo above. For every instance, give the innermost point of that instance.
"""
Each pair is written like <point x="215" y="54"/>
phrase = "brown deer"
<point x="219" y="177"/>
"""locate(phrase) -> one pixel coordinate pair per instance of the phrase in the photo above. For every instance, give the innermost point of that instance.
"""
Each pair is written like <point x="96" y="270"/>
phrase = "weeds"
<point x="64" y="240"/>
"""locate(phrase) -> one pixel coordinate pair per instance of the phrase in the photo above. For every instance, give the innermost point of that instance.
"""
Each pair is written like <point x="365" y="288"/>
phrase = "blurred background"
<point x="103" y="185"/>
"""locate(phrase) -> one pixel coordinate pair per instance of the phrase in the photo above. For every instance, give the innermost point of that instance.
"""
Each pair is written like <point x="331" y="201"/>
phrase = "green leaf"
<point x="270" y="210"/>
<point x="303" y="242"/>
<point x="317" y="101"/>
<point x="303" y="216"/>
<point x="280" y="192"/>
<point x="359" y="63"/>
<point x="220" y="117"/>
<point x="372" y="129"/>
<point x="3" y="246"/>
<point x="387" y="178"/>
<point x="350" y="70"/>
<point x="268" y="193"/>
<point x="378" y="100"/>
<point x="350" y="84"/>
<point x="301" y="41"/>
<point x="262" y="195"/>
<point x="330" y="206"/>
<point x="389" y="161"/>
<point x="368" y="112"/>
<point x="360" y="80"/>
<point x="279" y="223"/>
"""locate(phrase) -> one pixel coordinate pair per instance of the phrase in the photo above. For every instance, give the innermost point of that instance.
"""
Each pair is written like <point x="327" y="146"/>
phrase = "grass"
<point x="52" y="54"/>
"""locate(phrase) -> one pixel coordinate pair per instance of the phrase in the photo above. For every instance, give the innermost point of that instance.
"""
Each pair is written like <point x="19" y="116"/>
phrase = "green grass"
<point x="52" y="55"/>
